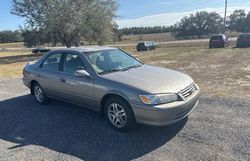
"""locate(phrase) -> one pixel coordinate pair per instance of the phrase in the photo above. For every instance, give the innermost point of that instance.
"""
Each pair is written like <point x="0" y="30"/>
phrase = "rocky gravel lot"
<point x="218" y="129"/>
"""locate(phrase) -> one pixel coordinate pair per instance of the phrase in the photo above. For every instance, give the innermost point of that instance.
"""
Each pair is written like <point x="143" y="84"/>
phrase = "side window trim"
<point x="62" y="61"/>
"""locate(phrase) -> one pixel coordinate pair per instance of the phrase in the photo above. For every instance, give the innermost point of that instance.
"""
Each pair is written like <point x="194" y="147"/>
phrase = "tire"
<point x="39" y="95"/>
<point x="119" y="114"/>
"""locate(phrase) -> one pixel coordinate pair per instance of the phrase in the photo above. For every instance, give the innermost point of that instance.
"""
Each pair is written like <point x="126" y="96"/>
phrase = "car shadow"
<point x="76" y="131"/>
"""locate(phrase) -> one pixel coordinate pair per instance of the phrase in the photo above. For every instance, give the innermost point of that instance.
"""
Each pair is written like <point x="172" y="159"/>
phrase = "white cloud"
<point x="167" y="19"/>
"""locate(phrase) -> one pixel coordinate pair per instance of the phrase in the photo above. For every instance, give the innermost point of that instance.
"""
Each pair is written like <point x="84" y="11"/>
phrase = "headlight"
<point x="158" y="98"/>
<point x="150" y="99"/>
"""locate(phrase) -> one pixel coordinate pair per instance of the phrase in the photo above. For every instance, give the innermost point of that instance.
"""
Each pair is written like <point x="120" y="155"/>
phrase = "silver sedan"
<point x="114" y="83"/>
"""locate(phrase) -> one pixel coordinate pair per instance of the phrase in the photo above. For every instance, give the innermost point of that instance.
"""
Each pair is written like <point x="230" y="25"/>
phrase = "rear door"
<point x="48" y="75"/>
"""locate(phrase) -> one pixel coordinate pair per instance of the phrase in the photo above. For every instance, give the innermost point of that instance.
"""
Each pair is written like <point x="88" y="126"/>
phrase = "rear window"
<point x="216" y="37"/>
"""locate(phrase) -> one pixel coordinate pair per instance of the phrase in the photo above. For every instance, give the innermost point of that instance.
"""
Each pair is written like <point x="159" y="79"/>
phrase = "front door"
<point x="76" y="89"/>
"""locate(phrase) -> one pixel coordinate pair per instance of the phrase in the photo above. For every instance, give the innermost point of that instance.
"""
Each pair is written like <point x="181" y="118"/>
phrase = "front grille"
<point x="188" y="91"/>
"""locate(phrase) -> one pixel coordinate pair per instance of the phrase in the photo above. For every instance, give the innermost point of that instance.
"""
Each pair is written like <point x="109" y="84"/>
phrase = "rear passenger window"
<point x="52" y="62"/>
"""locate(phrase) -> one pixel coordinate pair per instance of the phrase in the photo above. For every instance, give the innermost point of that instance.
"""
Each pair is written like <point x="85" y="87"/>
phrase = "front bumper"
<point x="26" y="82"/>
<point x="219" y="44"/>
<point x="165" y="114"/>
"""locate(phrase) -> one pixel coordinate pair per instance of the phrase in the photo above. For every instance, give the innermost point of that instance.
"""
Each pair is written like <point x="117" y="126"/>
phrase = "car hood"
<point x="152" y="79"/>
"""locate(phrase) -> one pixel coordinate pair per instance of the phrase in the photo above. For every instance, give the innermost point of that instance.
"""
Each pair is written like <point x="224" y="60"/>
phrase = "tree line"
<point x="145" y="30"/>
<point x="198" y="25"/>
<point x="72" y="22"/>
<point x="202" y="24"/>
<point x="10" y="36"/>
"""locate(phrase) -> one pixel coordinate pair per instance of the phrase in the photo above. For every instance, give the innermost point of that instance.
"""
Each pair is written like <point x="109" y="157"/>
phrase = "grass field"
<point x="219" y="72"/>
<point x="12" y="45"/>
<point x="158" y="37"/>
<point x="12" y="62"/>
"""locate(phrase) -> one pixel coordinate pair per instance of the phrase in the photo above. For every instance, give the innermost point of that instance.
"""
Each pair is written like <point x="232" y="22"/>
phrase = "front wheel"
<point x="39" y="94"/>
<point x="119" y="114"/>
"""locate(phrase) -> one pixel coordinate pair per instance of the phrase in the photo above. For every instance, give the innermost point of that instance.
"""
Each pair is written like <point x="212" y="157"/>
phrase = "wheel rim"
<point x="117" y="115"/>
<point x="38" y="94"/>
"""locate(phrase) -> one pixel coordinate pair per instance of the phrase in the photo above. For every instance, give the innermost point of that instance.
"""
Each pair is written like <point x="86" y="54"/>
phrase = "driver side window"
<point x="72" y="63"/>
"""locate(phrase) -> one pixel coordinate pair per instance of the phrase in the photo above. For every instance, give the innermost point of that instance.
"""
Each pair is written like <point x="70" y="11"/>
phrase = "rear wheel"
<point x="119" y="114"/>
<point x="39" y="94"/>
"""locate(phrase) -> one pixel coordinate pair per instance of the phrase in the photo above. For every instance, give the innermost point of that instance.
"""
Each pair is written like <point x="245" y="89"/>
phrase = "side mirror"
<point x="82" y="73"/>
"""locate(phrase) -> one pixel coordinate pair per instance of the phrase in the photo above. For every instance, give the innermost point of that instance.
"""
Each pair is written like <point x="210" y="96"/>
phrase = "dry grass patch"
<point x="157" y="37"/>
<point x="12" y="45"/>
<point x="13" y="70"/>
<point x="219" y="72"/>
<point x="12" y="63"/>
<point x="13" y="53"/>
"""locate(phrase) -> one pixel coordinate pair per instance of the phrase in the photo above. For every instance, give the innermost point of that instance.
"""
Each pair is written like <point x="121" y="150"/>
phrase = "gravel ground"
<point x="218" y="129"/>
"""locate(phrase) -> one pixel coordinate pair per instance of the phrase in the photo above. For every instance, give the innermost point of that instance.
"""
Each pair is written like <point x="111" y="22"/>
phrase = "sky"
<point x="142" y="12"/>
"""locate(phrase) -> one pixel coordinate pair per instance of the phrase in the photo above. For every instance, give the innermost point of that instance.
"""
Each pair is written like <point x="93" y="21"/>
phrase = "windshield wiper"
<point x="110" y="71"/>
<point x="116" y="70"/>
<point x="135" y="66"/>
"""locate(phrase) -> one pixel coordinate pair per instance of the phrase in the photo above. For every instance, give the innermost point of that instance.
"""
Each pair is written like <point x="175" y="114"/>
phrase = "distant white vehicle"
<point x="145" y="45"/>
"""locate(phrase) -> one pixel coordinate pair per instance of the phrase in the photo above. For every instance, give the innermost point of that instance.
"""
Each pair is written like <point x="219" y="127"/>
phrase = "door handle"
<point x="62" y="80"/>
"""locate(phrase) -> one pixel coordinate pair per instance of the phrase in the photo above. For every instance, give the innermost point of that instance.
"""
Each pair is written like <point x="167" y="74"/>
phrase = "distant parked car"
<point x="145" y="45"/>
<point x="243" y="41"/>
<point x="218" y="41"/>
<point x="40" y="50"/>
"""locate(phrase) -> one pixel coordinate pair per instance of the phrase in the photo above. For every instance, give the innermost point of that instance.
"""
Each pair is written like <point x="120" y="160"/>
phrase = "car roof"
<point x="86" y="49"/>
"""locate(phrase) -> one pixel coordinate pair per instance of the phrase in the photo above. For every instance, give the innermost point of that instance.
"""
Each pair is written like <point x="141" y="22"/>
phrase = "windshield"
<point x="107" y="61"/>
